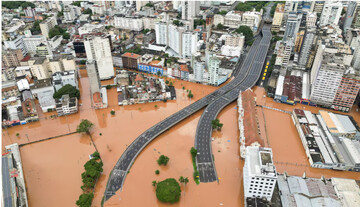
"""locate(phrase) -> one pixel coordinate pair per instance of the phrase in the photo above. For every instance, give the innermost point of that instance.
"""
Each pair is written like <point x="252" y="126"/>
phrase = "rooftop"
<point x="131" y="55"/>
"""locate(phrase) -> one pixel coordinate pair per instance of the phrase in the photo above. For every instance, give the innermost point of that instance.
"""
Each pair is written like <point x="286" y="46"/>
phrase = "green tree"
<point x="149" y="5"/>
<point x="67" y="89"/>
<point x="163" y="160"/>
<point x="83" y="62"/>
<point x="87" y="11"/>
<point x="176" y="22"/>
<point x="35" y="29"/>
<point x="112" y="112"/>
<point x="222" y="12"/>
<point x="84" y="126"/>
<point x="168" y="191"/>
<point x="85" y="200"/>
<point x="17" y="134"/>
<point x="246" y="31"/>
<point x="159" y="73"/>
<point x="96" y="155"/>
<point x="171" y="84"/>
<point x="167" y="81"/>
<point x="198" y="22"/>
<point x="156" y="106"/>
<point x="146" y="31"/>
<point x="66" y="36"/>
<point x="76" y="3"/>
<point x="220" y="26"/>
<point x="154" y="183"/>
<point x="193" y="152"/>
<point x="190" y="95"/>
<point x="60" y="14"/>
<point x="17" y="4"/>
<point x="57" y="30"/>
<point x="157" y="172"/>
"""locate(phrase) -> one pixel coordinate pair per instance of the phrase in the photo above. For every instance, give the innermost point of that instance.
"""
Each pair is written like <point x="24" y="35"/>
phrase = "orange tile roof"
<point x="131" y="55"/>
<point x="184" y="68"/>
<point x="97" y="97"/>
<point x="154" y="62"/>
<point x="139" y="78"/>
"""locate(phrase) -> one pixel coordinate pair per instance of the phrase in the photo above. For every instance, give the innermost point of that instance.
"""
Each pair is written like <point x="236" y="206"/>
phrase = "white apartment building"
<point x="98" y="48"/>
<point x="47" y="25"/>
<point x="251" y="19"/>
<point x="199" y="68"/>
<point x="317" y="62"/>
<point x="284" y="53"/>
<point x="149" y="22"/>
<point x="189" y="40"/>
<point x="213" y="69"/>
<point x="259" y="173"/>
<point x="15" y="44"/>
<point x="189" y="9"/>
<point x="311" y="19"/>
<point x="134" y="23"/>
<point x="232" y="20"/>
<point x="175" y="33"/>
<point x="327" y="81"/>
<point x="292" y="26"/>
<point x="98" y="9"/>
<point x="69" y="14"/>
<point x="66" y="105"/>
<point x="219" y="19"/>
<point x="60" y="79"/>
<point x="331" y="13"/>
<point x="306" y="46"/>
<point x="161" y="32"/>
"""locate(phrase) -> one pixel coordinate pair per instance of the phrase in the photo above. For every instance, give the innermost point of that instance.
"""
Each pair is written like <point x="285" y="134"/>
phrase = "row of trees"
<point x="17" y="4"/>
<point x="93" y="169"/>
<point x="196" y="174"/>
<point x="249" y="5"/>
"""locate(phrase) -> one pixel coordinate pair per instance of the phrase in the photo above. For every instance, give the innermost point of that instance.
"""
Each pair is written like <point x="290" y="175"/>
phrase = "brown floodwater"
<point x="53" y="168"/>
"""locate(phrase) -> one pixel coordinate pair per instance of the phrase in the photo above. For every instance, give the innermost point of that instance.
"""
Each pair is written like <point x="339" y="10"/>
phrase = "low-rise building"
<point x="60" y="79"/>
<point x="130" y="60"/>
<point x="66" y="105"/>
<point x="12" y="58"/>
<point x="44" y="91"/>
<point x="259" y="173"/>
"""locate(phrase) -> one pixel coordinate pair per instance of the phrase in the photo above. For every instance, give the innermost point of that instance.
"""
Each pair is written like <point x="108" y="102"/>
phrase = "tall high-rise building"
<point x="98" y="48"/>
<point x="259" y="173"/>
<point x="317" y="6"/>
<point x="356" y="59"/>
<point x="213" y="68"/>
<point x="189" y="40"/>
<point x="350" y="14"/>
<point x="356" y="20"/>
<point x="161" y="33"/>
<point x="189" y="9"/>
<point x="292" y="26"/>
<point x="317" y="62"/>
<point x="278" y="18"/>
<point x="311" y="19"/>
<point x="346" y="94"/>
<point x="175" y="33"/>
<point x="306" y="47"/>
<point x="47" y="25"/>
<point x="331" y="13"/>
<point x="299" y="40"/>
<point x="199" y="68"/>
<point x="327" y="80"/>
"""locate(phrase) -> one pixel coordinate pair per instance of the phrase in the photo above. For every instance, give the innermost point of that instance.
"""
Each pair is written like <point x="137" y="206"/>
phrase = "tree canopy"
<point x="67" y="89"/>
<point x="76" y="3"/>
<point x="87" y="11"/>
<point x="168" y="191"/>
<point x="17" y="4"/>
<point x="246" y="31"/>
<point x="85" y="200"/>
<point x="222" y="12"/>
<point x="57" y="31"/>
<point x="84" y="126"/>
<point x="249" y="5"/>
<point x="220" y="26"/>
<point x="163" y="160"/>
<point x="199" y="22"/>
<point x="35" y="29"/>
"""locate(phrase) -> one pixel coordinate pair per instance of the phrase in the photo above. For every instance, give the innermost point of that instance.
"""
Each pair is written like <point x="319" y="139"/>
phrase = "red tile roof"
<point x="131" y="55"/>
<point x="139" y="78"/>
<point x="184" y="68"/>
<point x="26" y="58"/>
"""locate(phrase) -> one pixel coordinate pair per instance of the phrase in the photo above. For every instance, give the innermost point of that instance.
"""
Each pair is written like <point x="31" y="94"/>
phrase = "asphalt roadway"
<point x="249" y="74"/>
<point x="123" y="165"/>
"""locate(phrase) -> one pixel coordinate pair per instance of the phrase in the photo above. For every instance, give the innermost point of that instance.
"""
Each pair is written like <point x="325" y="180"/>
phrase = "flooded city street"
<point x="53" y="168"/>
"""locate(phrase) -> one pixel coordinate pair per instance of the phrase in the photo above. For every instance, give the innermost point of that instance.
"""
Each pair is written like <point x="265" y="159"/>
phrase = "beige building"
<point x="219" y="19"/>
<point x="12" y="58"/>
<point x="278" y="17"/>
<point x="47" y="25"/>
<point x="39" y="68"/>
<point x="55" y="65"/>
<point x="235" y="40"/>
<point x="68" y="63"/>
